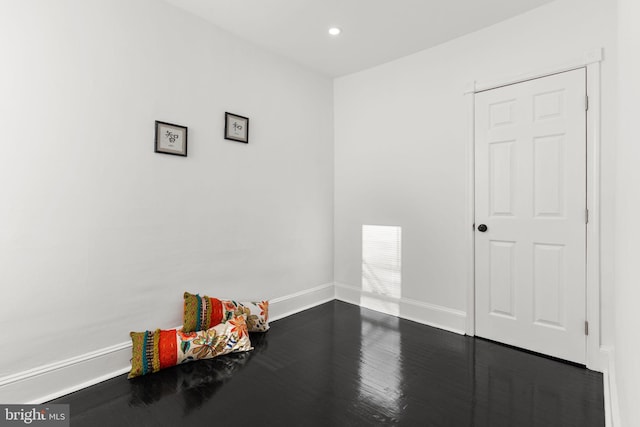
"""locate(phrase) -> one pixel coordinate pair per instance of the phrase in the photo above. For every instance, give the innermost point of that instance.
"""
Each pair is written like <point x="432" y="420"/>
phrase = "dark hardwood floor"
<point x="341" y="365"/>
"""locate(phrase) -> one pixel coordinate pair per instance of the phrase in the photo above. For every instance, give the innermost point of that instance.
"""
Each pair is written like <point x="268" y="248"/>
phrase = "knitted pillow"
<point x="161" y="349"/>
<point x="203" y="312"/>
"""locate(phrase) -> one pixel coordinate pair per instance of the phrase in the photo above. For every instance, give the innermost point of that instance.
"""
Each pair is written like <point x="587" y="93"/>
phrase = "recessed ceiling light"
<point x="334" y="31"/>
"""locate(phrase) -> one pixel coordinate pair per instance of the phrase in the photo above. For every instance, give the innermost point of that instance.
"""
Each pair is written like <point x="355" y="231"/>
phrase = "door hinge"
<point x="586" y="103"/>
<point x="586" y="328"/>
<point x="586" y="216"/>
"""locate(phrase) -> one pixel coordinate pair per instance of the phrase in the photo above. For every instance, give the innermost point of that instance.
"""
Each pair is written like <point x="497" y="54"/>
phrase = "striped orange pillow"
<point x="160" y="349"/>
<point x="202" y="312"/>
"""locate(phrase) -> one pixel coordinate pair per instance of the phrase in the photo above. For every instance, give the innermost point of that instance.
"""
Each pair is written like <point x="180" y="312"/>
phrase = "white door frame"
<point x="591" y="62"/>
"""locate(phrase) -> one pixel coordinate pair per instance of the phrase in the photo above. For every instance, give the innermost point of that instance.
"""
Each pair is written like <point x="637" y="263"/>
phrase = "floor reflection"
<point x="194" y="382"/>
<point x="380" y="368"/>
<point x="513" y="387"/>
<point x="343" y="365"/>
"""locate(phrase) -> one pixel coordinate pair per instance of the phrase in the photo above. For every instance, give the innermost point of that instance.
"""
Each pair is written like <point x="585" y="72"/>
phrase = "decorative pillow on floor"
<point x="203" y="312"/>
<point x="161" y="349"/>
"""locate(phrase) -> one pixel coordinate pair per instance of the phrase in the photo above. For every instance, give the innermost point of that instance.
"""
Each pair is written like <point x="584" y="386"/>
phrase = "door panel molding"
<point x="516" y="181"/>
<point x="590" y="60"/>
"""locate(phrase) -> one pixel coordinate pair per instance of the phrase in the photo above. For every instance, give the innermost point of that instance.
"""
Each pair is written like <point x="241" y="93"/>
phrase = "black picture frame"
<point x="171" y="139"/>
<point x="236" y="127"/>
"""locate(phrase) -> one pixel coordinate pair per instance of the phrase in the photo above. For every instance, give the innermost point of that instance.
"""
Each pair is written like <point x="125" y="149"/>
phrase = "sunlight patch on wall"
<point x="382" y="260"/>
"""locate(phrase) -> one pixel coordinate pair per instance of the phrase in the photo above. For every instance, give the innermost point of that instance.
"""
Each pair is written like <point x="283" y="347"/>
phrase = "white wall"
<point x="627" y="292"/>
<point x="99" y="235"/>
<point x="400" y="136"/>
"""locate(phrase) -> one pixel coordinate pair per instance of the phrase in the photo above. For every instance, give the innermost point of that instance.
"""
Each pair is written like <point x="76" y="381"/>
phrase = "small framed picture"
<point x="171" y="139"/>
<point x="236" y="128"/>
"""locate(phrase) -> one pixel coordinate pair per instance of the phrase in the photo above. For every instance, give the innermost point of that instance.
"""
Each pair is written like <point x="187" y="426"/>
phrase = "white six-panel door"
<point x="530" y="192"/>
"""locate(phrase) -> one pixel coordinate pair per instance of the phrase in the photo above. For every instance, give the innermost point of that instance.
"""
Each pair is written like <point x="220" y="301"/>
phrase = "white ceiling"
<point x="373" y="31"/>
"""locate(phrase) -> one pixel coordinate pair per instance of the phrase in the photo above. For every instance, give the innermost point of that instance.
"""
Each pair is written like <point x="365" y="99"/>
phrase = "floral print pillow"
<point x="161" y="349"/>
<point x="203" y="312"/>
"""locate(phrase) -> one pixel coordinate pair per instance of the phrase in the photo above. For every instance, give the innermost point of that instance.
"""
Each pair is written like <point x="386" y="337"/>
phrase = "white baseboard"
<point x="294" y="303"/>
<point x="417" y="311"/>
<point x="50" y="381"/>
<point x="611" y="409"/>
<point x="54" y="380"/>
